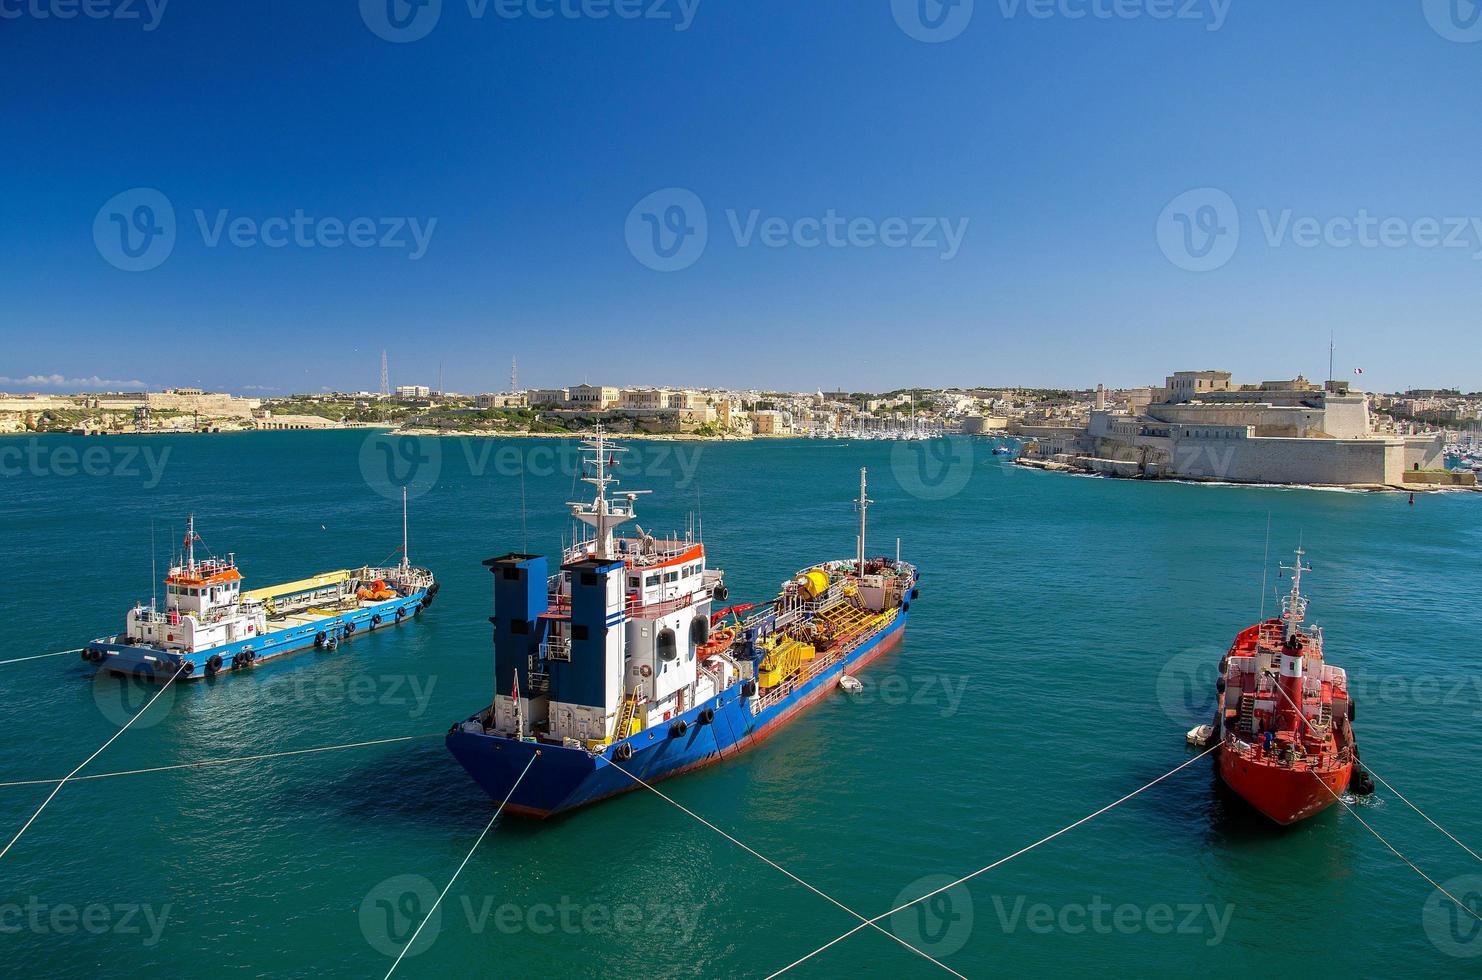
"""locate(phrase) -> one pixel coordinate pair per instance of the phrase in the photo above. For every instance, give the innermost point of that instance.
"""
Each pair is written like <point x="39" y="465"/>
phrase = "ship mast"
<point x="603" y="514"/>
<point x="406" y="560"/>
<point x="190" y="543"/>
<point x="862" y="504"/>
<point x="1294" y="606"/>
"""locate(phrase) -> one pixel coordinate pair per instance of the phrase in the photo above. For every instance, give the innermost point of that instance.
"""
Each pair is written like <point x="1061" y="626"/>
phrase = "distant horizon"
<point x="124" y="388"/>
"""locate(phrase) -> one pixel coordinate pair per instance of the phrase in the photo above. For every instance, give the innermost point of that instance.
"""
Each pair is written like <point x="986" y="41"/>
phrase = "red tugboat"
<point x="1285" y="717"/>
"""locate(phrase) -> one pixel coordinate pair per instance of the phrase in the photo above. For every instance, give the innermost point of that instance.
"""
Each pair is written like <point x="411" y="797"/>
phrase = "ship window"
<point x="653" y="580"/>
<point x="671" y="576"/>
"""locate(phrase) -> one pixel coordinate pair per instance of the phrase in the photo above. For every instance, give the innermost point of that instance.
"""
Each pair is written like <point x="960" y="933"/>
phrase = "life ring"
<point x="678" y="729"/>
<point x="705" y="717"/>
<point x="623" y="752"/>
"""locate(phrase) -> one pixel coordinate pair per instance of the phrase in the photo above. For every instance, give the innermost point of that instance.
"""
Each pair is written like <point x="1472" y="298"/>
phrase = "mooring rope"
<point x="1417" y="809"/>
<point x="466" y="858"/>
<point x="863" y="921"/>
<point x="226" y="761"/>
<point x="97" y="752"/>
<point x="40" y="656"/>
<point x="995" y="864"/>
<point x="1380" y="837"/>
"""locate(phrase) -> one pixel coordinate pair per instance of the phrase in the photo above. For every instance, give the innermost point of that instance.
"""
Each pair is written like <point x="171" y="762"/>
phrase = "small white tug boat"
<point x="209" y="625"/>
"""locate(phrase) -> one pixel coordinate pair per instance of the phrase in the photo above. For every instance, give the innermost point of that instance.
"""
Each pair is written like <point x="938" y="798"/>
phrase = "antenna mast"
<point x="406" y="560"/>
<point x="863" y="503"/>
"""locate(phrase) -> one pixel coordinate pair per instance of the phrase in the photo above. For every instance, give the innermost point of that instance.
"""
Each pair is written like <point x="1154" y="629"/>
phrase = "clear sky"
<point x="859" y="193"/>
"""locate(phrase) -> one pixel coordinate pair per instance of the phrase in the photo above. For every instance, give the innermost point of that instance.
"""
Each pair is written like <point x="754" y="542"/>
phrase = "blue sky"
<point x="1000" y="192"/>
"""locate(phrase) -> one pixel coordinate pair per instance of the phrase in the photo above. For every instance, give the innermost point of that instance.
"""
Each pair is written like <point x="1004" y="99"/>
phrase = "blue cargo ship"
<point x="618" y="666"/>
<point x="209" y="625"/>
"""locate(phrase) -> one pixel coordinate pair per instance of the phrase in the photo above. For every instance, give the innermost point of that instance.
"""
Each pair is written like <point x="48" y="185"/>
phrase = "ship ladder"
<point x="625" y="718"/>
<point x="1248" y="713"/>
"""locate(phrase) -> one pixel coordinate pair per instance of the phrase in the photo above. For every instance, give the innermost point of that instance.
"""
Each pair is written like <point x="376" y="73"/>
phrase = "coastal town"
<point x="1197" y="425"/>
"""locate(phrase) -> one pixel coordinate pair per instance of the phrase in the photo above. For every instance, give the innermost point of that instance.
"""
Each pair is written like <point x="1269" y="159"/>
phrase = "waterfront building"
<point x="1200" y="425"/>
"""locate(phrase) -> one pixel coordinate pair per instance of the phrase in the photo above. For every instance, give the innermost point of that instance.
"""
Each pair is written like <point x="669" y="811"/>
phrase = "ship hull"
<point x="151" y="663"/>
<point x="1282" y="794"/>
<point x="562" y="779"/>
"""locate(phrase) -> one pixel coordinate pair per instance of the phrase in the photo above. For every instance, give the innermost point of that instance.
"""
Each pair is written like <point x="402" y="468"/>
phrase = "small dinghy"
<point x="850" y="685"/>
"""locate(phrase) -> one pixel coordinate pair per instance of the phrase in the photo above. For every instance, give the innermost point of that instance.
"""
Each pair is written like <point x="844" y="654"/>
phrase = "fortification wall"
<point x="1315" y="461"/>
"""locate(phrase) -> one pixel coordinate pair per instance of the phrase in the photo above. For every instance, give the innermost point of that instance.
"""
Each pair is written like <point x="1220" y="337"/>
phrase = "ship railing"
<point x="556" y="650"/>
<point x="820" y="664"/>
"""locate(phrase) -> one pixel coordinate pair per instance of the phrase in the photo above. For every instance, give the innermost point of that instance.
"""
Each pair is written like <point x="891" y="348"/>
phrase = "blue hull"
<point x="564" y="778"/>
<point x="138" y="660"/>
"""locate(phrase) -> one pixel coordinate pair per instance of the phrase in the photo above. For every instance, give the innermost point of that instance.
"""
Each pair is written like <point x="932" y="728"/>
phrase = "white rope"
<point x="864" y="922"/>
<point x="99" y="751"/>
<point x="995" y="864"/>
<point x="1417" y="809"/>
<point x="1380" y="837"/>
<point x="499" y="810"/>
<point x="223" y="762"/>
<point x="40" y="656"/>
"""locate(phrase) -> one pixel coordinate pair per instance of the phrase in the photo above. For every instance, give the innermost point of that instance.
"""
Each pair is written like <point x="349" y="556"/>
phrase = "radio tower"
<point x="385" y="377"/>
<point x="514" y="376"/>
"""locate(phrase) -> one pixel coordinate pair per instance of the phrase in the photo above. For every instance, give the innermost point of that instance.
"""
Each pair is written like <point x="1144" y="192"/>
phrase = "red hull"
<point x="1285" y="795"/>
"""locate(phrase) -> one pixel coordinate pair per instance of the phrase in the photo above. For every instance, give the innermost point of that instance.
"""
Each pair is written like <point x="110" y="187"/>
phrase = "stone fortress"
<point x="1201" y="426"/>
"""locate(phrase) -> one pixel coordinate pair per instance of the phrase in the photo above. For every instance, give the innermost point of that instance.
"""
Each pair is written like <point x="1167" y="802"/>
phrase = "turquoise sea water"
<point x="1064" y="641"/>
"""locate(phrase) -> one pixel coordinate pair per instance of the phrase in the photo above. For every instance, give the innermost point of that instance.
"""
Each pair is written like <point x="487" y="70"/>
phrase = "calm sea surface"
<point x="1065" y="639"/>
